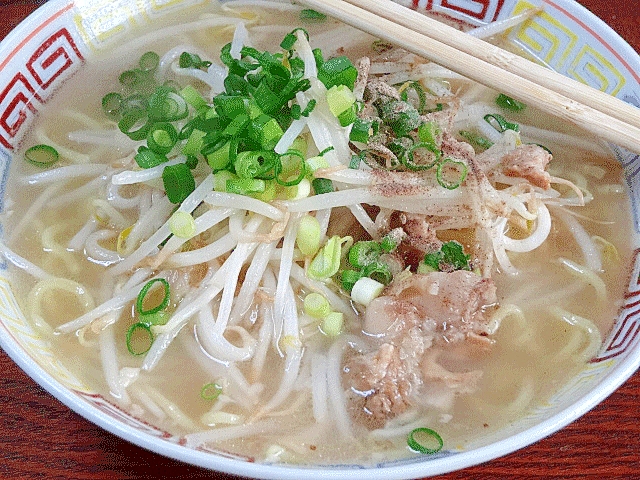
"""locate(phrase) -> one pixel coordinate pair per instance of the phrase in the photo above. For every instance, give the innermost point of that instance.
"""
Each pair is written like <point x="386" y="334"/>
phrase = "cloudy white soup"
<point x="279" y="237"/>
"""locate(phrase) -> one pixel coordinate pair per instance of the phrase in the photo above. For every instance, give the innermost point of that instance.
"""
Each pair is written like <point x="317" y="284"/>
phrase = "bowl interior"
<point x="57" y="41"/>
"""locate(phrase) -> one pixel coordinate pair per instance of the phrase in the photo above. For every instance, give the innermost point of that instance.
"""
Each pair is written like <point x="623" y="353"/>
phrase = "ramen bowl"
<point x="59" y="40"/>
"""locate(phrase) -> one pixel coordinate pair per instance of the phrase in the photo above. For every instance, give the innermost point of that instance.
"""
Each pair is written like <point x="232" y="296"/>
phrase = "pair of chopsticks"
<point x="601" y="114"/>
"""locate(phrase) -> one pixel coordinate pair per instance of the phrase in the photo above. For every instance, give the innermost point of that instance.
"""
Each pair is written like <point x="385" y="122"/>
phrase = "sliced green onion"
<point x="327" y="262"/>
<point x="309" y="108"/>
<point x="245" y="186"/>
<point x="135" y="124"/>
<point x="451" y="173"/>
<point x="378" y="271"/>
<point x="361" y="130"/>
<point x="348" y="278"/>
<point x="365" y="290"/>
<point x="131" y="339"/>
<point x="191" y="60"/>
<point x="129" y="78"/>
<point x="338" y="71"/>
<point x="363" y="253"/>
<point x="316" y="305"/>
<point x="326" y="150"/>
<point x="145" y="291"/>
<point x="157" y="318"/>
<point x="134" y="102"/>
<point x="178" y="182"/>
<point x="267" y="131"/>
<point x="476" y="139"/>
<point x="147" y="158"/>
<point x="422" y="97"/>
<point x="509" y="103"/>
<point x="42" y="155"/>
<point x="401" y="116"/>
<point x="316" y="163"/>
<point x="210" y="391"/>
<point x="340" y="99"/>
<point x="419" y="149"/>
<point x="112" y="105"/>
<point x="428" y="132"/>
<point x="220" y="158"/>
<point x="182" y="224"/>
<point x="348" y="116"/>
<point x="193" y="98"/>
<point x="332" y="324"/>
<point x="500" y="123"/>
<point x="309" y="14"/>
<point x="420" y="445"/>
<point x="220" y="180"/>
<point x="253" y="164"/>
<point x="236" y="126"/>
<point x="391" y="240"/>
<point x="166" y="105"/>
<point x="194" y="143"/>
<point x="162" y="137"/>
<point x="322" y="185"/>
<point x="309" y="235"/>
<point x="149" y="61"/>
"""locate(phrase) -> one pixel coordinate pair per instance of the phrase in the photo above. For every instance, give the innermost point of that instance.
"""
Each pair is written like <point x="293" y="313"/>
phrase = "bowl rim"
<point x="606" y="385"/>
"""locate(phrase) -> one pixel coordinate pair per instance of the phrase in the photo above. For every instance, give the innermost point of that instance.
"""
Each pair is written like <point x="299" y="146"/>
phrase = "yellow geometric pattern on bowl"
<point x="554" y="44"/>
<point x="549" y="40"/>
<point x="101" y="21"/>
<point x="38" y="350"/>
<point x="591" y="67"/>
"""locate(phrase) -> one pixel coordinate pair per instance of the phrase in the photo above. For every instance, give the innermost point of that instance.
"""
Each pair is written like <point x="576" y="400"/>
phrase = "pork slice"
<point x="385" y="379"/>
<point x="457" y="301"/>
<point x="419" y="232"/>
<point x="528" y="162"/>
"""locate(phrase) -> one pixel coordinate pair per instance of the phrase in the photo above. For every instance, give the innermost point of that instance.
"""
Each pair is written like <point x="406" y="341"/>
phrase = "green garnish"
<point x="309" y="14"/>
<point x="178" y="182"/>
<point x="420" y="437"/>
<point x="210" y="391"/>
<point x="140" y="307"/>
<point x="509" y="103"/>
<point x="451" y="173"/>
<point x="475" y="139"/>
<point x="133" y="339"/>
<point x="450" y="257"/>
<point x="42" y="155"/>
<point x="191" y="60"/>
<point x="500" y="123"/>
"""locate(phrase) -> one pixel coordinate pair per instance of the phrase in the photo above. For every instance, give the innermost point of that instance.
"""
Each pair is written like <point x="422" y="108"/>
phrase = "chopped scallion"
<point x="316" y="305"/>
<point x="140" y="307"/>
<point x="365" y="290"/>
<point x="451" y="173"/>
<point x="133" y="340"/>
<point x="178" y="182"/>
<point x="210" y="391"/>
<point x="332" y="324"/>
<point x="42" y="155"/>
<point x="182" y="224"/>
<point x="420" y="444"/>
<point x="509" y="103"/>
<point x="309" y="235"/>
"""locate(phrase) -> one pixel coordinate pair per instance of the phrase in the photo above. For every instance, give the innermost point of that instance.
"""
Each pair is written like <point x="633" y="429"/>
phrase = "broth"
<point x="271" y="393"/>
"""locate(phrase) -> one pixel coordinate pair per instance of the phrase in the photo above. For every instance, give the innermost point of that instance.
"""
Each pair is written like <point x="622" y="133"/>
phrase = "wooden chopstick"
<point x="593" y="111"/>
<point x="504" y="59"/>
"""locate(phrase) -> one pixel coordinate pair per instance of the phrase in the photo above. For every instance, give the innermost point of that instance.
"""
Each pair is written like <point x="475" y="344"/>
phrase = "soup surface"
<point x="311" y="251"/>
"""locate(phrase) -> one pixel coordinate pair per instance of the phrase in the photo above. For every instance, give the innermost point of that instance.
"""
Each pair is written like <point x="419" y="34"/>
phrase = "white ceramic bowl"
<point x="51" y="45"/>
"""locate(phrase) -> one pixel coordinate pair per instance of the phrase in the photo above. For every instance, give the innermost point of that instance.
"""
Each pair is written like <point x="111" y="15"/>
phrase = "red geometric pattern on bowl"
<point x="34" y="82"/>
<point x="627" y="329"/>
<point x="482" y="11"/>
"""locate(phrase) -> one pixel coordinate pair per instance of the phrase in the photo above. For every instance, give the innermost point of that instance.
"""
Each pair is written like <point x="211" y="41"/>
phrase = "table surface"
<point x="41" y="438"/>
